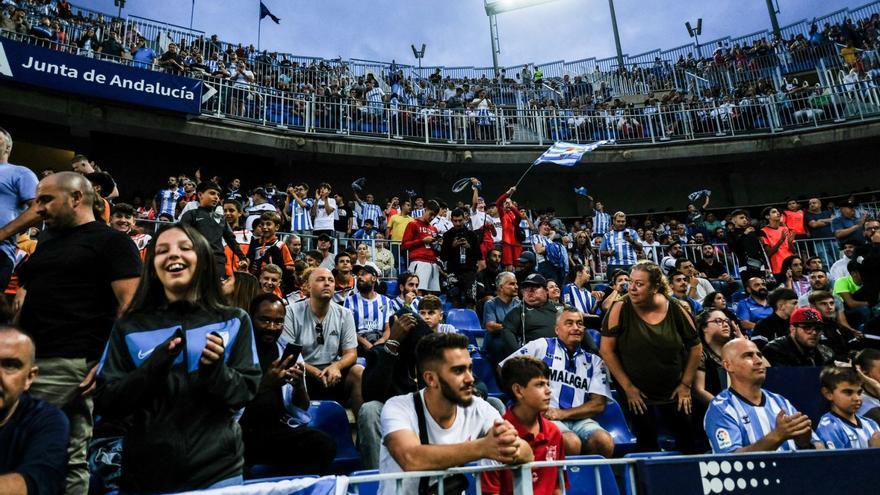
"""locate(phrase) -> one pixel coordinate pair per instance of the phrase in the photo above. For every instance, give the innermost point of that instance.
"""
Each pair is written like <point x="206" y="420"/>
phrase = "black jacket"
<point x="183" y="433"/>
<point x="451" y="255"/>
<point x="783" y="352"/>
<point x="215" y="229"/>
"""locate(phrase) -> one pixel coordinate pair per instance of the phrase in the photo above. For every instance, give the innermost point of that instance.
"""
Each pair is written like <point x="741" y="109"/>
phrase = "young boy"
<point x="212" y="224"/>
<point x="431" y="310"/>
<point x="270" y="279"/>
<point x="122" y="219"/>
<point x="842" y="428"/>
<point x="527" y="380"/>
<point x="268" y="249"/>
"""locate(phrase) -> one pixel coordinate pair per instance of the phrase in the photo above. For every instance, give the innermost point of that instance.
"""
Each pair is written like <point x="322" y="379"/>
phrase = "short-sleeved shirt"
<point x="624" y="252"/>
<point x="751" y="310"/>
<point x="370" y="315"/>
<point x="399" y="413"/>
<point x="398" y="224"/>
<point x="18" y="185"/>
<point x="324" y="220"/>
<point x="33" y="443"/>
<point x="301" y="217"/>
<point x="845" y="284"/>
<point x="573" y="377"/>
<point x="579" y="297"/>
<point x="819" y="232"/>
<point x="838" y="433"/>
<point x="841" y="222"/>
<point x="732" y="422"/>
<point x="772" y="237"/>
<point x="546" y="446"/>
<point x="495" y="310"/>
<point x="70" y="305"/>
<point x="300" y="327"/>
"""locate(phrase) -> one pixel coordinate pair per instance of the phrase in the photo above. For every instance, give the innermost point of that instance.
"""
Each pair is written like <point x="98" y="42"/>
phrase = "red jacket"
<point x="509" y="221"/>
<point x="413" y="243"/>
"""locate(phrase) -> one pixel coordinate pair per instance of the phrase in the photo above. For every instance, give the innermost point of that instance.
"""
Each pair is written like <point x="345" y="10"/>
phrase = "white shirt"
<point x="399" y="413"/>
<point x="324" y="220"/>
<point x="478" y="218"/>
<point x="839" y="270"/>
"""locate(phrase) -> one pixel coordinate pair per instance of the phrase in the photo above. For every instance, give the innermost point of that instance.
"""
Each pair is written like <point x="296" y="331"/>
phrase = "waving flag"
<point x="568" y="154"/>
<point x="264" y="11"/>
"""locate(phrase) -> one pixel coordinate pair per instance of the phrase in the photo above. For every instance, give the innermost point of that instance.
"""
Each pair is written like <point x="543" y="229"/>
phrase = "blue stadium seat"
<point x="629" y="489"/>
<point x="801" y="387"/>
<point x="582" y="479"/>
<point x="738" y="296"/>
<point x="613" y="421"/>
<point x="483" y="372"/>
<point x="464" y="319"/>
<point x="447" y="307"/>
<point x="474" y="336"/>
<point x="278" y="478"/>
<point x="391" y="288"/>
<point x="330" y="417"/>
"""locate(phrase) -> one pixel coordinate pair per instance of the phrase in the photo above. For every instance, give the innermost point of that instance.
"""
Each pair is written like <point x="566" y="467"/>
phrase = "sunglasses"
<point x="319" y="330"/>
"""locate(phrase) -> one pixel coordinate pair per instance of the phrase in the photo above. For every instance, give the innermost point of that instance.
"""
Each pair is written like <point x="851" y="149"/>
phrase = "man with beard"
<point x="463" y="428"/>
<point x="80" y="278"/>
<point x="409" y="292"/>
<point x="747" y="247"/>
<point x="819" y="283"/>
<point x="838" y="338"/>
<point x="274" y="424"/>
<point x="461" y="252"/>
<point x="372" y="311"/>
<point x="526" y="265"/>
<point x="801" y="346"/>
<point x="487" y="276"/>
<point x="166" y="199"/>
<point x="746" y="418"/>
<point x="754" y="308"/>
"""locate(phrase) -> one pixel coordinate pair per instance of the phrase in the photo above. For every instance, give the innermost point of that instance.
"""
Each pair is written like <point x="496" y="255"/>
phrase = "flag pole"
<point x="191" y="13"/>
<point x="523" y="176"/>
<point x="259" y="29"/>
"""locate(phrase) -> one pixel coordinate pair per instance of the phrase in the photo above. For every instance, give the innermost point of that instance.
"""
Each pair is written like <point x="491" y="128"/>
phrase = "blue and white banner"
<point x="568" y="154"/>
<point x="69" y="73"/>
<point x="328" y="485"/>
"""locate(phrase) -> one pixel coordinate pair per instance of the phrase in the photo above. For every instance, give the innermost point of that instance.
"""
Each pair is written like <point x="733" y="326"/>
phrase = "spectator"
<point x="793" y="274"/>
<point x="617" y="290"/>
<point x="240" y="289"/>
<point x="275" y="423"/>
<point x="843" y="427"/>
<point x="111" y="47"/>
<point x="715" y="329"/>
<point x="818" y="221"/>
<point x="166" y="199"/>
<point x="326" y="258"/>
<point x="511" y="236"/>
<point x="846" y="226"/>
<point x="323" y="209"/>
<point x="857" y="312"/>
<point x="418" y="240"/>
<point x="839" y="268"/>
<point x="33" y="433"/>
<point x="526" y="266"/>
<point x="81" y="276"/>
<point x="577" y="292"/>
<point x="299" y="209"/>
<point x="778" y="240"/>
<point x="383" y="258"/>
<point x="212" y="225"/>
<point x="579" y="382"/>
<point x="397" y="226"/>
<point x="463" y="429"/>
<point x="328" y="337"/>
<point x="261" y="205"/>
<point x="122" y="219"/>
<point x="601" y="220"/>
<point x="747" y="248"/>
<point x="270" y="279"/>
<point x="801" y="346"/>
<point x="372" y="311"/>
<point x="836" y="335"/>
<point x="496" y="309"/>
<point x="818" y="282"/>
<point x="143" y="55"/>
<point x="712" y="269"/>
<point x="746" y="418"/>
<point x="698" y="287"/>
<point x="716" y="300"/>
<point x="460" y="250"/>
<point x="554" y="293"/>
<point x="673" y="254"/>
<point x="784" y="302"/>
<point x="368" y="210"/>
<point x="620" y="244"/>
<point x="408" y="284"/>
<point x="679" y="283"/>
<point x="754" y="308"/>
<point x="345" y="279"/>
<point x="653" y="387"/>
<point x="367" y="232"/>
<point x="18" y="187"/>
<point x="793" y="219"/>
<point x="363" y="259"/>
<point x="431" y="312"/>
<point x="141" y="378"/>
<point x="867" y="362"/>
<point x="527" y="380"/>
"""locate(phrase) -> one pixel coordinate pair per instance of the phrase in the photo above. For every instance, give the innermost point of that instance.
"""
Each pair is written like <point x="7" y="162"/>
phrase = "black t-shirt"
<point x="34" y="444"/>
<point x="70" y="305"/>
<point x="713" y="271"/>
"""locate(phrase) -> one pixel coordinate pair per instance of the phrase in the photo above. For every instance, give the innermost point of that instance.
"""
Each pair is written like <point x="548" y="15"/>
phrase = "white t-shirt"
<point x="324" y="220"/>
<point x="496" y="221"/>
<point x="399" y="413"/>
<point x="478" y="218"/>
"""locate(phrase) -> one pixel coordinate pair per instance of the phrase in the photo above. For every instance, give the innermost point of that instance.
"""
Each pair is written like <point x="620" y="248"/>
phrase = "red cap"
<point x="803" y="316"/>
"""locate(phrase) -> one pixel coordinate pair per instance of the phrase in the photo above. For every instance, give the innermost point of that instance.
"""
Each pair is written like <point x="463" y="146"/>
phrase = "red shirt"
<point x="784" y="251"/>
<point x="546" y="445"/>
<point x="794" y="220"/>
<point x="509" y="222"/>
<point x="413" y="243"/>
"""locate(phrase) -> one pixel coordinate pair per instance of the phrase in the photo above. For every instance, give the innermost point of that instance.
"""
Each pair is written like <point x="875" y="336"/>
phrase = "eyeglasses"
<point x="319" y="330"/>
<point x="720" y="321"/>
<point x="809" y="328"/>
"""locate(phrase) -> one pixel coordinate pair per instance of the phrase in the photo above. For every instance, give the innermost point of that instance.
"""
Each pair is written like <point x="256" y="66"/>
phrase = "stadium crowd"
<point x="200" y="323"/>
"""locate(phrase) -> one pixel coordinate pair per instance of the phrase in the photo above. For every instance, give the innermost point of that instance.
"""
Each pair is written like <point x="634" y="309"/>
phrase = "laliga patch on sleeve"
<point x="723" y="438"/>
<point x="830" y="445"/>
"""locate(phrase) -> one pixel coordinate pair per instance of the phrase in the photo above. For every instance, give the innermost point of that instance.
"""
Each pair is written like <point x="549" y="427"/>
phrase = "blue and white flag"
<point x="568" y="154"/>
<point x="328" y="485"/>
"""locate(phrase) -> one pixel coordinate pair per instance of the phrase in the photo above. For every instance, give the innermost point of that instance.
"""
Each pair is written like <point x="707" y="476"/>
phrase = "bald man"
<point x="327" y="333"/>
<point x="33" y="433"/>
<point x="81" y="276"/>
<point x="746" y="418"/>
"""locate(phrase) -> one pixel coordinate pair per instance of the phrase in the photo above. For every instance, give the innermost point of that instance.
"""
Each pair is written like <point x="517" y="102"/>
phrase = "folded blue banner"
<point x="68" y="73"/>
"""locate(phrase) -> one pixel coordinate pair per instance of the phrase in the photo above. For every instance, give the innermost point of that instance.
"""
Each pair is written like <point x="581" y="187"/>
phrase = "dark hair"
<point x="679" y="262"/>
<point x="433" y="206"/>
<point x="572" y="274"/>
<point x="234" y="202"/>
<point x="854" y="266"/>
<point x="866" y="359"/>
<point x="123" y="209"/>
<point x="404" y="277"/>
<point x="458" y="212"/>
<point x="314" y="253"/>
<point x="341" y="255"/>
<point x="271" y="216"/>
<point x="150" y="294"/>
<point x="674" y="273"/>
<point x="709" y="301"/>
<point x="786" y="263"/>
<point x="832" y="376"/>
<point x="260" y="299"/>
<point x="780" y="294"/>
<point x="431" y="347"/>
<point x="617" y="273"/>
<point x="766" y="211"/>
<point x="520" y="370"/>
<point x="702" y="320"/>
<point x="207" y="185"/>
<point x="819" y="295"/>
<point x="246" y="288"/>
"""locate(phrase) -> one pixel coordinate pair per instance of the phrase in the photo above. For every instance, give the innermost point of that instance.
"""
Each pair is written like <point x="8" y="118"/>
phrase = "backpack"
<point x="556" y="255"/>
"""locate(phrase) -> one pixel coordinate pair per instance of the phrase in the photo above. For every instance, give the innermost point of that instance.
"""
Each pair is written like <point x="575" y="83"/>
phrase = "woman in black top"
<point x="178" y="364"/>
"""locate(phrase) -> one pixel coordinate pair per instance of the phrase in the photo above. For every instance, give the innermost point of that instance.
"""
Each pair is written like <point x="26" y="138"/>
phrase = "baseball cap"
<point x="534" y="280"/>
<point x="805" y="316"/>
<point x="356" y="269"/>
<point x="740" y="212"/>
<point x="527" y="257"/>
<point x="846" y="204"/>
<point x="324" y="237"/>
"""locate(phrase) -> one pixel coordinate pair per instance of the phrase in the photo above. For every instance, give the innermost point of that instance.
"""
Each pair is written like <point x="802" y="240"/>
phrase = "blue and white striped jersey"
<point x="601" y="222"/>
<point x="544" y="241"/>
<point x="572" y="378"/>
<point x="166" y="200"/>
<point x="369" y="212"/>
<point x="579" y="297"/>
<point x="838" y="433"/>
<point x="624" y="253"/>
<point x="446" y="328"/>
<point x="524" y="225"/>
<point x="370" y="315"/>
<point x="398" y="303"/>
<point x="301" y="218"/>
<point x="732" y="422"/>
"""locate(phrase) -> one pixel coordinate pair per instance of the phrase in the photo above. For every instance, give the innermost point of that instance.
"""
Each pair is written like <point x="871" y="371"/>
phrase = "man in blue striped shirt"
<point x="166" y="199"/>
<point x="371" y="310"/>
<point x="299" y="209"/>
<point x="577" y="294"/>
<point x="579" y="384"/>
<point x="368" y="210"/>
<point x="746" y="418"/>
<point x="620" y="245"/>
<point x="601" y="220"/>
